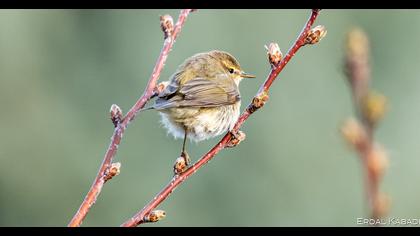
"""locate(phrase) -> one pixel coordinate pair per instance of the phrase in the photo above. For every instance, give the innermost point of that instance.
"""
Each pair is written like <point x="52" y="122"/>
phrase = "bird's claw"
<point x="237" y="137"/>
<point x="186" y="158"/>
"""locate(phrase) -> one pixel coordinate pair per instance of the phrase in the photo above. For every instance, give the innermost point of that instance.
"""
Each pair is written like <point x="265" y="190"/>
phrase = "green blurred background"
<point x="60" y="71"/>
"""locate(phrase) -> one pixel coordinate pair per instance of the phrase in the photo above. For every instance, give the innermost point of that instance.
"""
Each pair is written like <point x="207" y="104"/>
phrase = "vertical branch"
<point x="307" y="36"/>
<point x="370" y="108"/>
<point x="107" y="168"/>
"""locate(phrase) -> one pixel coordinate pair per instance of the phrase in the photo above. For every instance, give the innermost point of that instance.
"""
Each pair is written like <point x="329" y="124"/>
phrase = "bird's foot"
<point x="237" y="137"/>
<point x="182" y="163"/>
<point x="186" y="158"/>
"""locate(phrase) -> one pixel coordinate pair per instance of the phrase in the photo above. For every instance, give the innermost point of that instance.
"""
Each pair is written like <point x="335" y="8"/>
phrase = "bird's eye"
<point x="231" y="70"/>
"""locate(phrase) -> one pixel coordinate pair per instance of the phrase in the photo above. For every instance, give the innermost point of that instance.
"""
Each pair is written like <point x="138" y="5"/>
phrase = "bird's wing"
<point x="199" y="92"/>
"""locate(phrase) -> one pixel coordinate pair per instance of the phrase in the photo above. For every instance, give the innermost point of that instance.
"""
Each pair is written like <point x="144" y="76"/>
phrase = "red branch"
<point x="101" y="177"/>
<point x="257" y="102"/>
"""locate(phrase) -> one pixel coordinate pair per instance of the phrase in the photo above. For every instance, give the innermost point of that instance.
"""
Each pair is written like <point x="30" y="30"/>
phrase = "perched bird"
<point x="202" y="99"/>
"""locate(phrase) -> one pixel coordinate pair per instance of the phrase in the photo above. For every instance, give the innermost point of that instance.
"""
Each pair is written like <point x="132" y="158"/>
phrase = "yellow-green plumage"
<point x="202" y="97"/>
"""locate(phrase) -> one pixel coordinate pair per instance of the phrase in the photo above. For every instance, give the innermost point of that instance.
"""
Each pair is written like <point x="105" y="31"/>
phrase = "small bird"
<point x="202" y="99"/>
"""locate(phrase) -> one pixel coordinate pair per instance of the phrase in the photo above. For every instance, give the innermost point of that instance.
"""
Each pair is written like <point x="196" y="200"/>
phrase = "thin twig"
<point x="120" y="127"/>
<point x="256" y="103"/>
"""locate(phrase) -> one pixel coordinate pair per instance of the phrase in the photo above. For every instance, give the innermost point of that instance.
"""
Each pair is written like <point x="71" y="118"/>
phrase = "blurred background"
<point x="60" y="71"/>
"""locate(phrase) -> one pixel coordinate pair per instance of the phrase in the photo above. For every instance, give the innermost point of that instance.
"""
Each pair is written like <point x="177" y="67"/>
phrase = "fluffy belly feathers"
<point x="201" y="123"/>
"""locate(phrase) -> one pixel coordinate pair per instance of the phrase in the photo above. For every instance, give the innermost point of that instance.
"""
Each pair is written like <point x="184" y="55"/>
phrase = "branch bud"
<point x="316" y="34"/>
<point x="112" y="171"/>
<point x="356" y="65"/>
<point x="354" y="133"/>
<point x="259" y="101"/>
<point x="167" y="25"/>
<point x="154" y="216"/>
<point x="377" y="161"/>
<point x="274" y="54"/>
<point x="236" y="139"/>
<point x="115" y="114"/>
<point x="160" y="87"/>
<point x="181" y="163"/>
<point x="374" y="107"/>
<point x="357" y="44"/>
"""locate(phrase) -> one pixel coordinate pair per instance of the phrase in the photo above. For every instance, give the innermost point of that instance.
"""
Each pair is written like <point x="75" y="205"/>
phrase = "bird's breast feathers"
<point x="200" y="123"/>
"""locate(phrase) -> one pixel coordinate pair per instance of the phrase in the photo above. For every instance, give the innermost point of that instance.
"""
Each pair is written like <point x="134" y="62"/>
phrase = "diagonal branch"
<point x="105" y="172"/>
<point x="257" y="102"/>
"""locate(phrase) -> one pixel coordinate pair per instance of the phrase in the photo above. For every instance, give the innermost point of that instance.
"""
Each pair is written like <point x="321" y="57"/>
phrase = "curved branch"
<point x="256" y="103"/>
<point x="171" y="32"/>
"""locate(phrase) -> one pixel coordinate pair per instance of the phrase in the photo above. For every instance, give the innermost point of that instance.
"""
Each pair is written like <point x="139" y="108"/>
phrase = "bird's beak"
<point x="246" y="75"/>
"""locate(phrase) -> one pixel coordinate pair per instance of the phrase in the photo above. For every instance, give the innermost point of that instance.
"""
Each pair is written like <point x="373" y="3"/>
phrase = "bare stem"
<point x="369" y="109"/>
<point x="101" y="177"/>
<point x="256" y="103"/>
